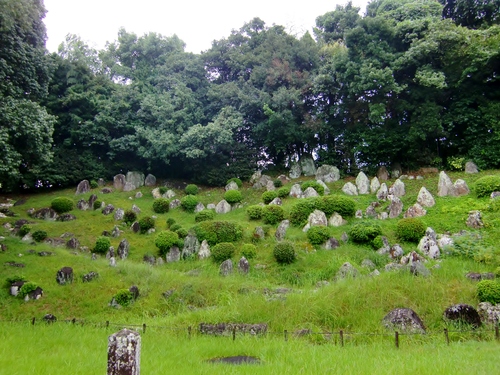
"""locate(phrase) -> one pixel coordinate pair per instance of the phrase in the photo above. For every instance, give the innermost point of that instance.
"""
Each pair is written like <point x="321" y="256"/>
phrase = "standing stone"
<point x="383" y="173"/>
<point x="310" y="193"/>
<point x="243" y="266"/>
<point x="317" y="219"/>
<point x="135" y="227"/>
<point x="296" y="191"/>
<point x="405" y="320"/>
<point x="331" y="244"/>
<point x="398" y="188"/>
<point x="276" y="202"/>
<point x="92" y="199"/>
<point x="82" y="205"/>
<point x="307" y="164"/>
<point x="124" y="353"/>
<point x="463" y="314"/>
<point x="191" y="246"/>
<point x="471" y="168"/>
<point x="327" y="173"/>
<point x="156" y="193"/>
<point x="226" y="267"/>
<point x="134" y="289"/>
<point x="174" y="204"/>
<point x="460" y="187"/>
<point x="73" y="244"/>
<point x="123" y="249"/>
<point x="169" y="194"/>
<point x="383" y="192"/>
<point x="336" y="220"/>
<point x="135" y="178"/>
<point x="295" y="171"/>
<point x="108" y="209"/>
<point x="350" y="189"/>
<point x="270" y="186"/>
<point x="259" y="233"/>
<point x="223" y="207"/>
<point x="112" y="262"/>
<point x="396" y="170"/>
<point x="415" y="211"/>
<point x="281" y="231"/>
<point x="119" y="213"/>
<point x="129" y="186"/>
<point x="445" y="186"/>
<point x="136" y="209"/>
<point x="231" y="186"/>
<point x="64" y="276"/>
<point x="150" y="180"/>
<point x="429" y="247"/>
<point x="395" y="208"/>
<point x="199" y="207"/>
<point x="371" y="211"/>
<point x="362" y="183"/>
<point x="474" y="220"/>
<point x="204" y="251"/>
<point x="83" y="187"/>
<point x="425" y="198"/>
<point x="101" y="182"/>
<point x="326" y="189"/>
<point x="255" y="177"/>
<point x="119" y="181"/>
<point x="374" y="185"/>
<point x="138" y="195"/>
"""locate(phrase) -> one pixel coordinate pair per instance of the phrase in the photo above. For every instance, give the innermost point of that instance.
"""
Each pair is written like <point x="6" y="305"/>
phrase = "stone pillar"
<point x="124" y="352"/>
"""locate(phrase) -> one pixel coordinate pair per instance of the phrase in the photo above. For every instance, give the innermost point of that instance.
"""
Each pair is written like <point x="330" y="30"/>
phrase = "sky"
<point x="196" y="22"/>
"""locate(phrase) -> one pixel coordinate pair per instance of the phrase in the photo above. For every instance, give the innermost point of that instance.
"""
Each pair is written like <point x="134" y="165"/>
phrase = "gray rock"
<point x="310" y="193"/>
<point x="66" y="217"/>
<point x="64" y="276"/>
<point x="393" y="267"/>
<point x="347" y="270"/>
<point x="45" y="214"/>
<point x="119" y="181"/>
<point x="106" y="190"/>
<point x="259" y="233"/>
<point x="374" y="185"/>
<point x="424" y="198"/>
<point x="471" y="168"/>
<point x="331" y="244"/>
<point x="150" y="180"/>
<point x="403" y="320"/>
<point x="129" y="186"/>
<point x="226" y="268"/>
<point x="415" y="211"/>
<point x="223" y="207"/>
<point x="231" y="186"/>
<point x="211" y="206"/>
<point x="460" y="187"/>
<point x="276" y="202"/>
<point x="371" y="211"/>
<point x="135" y="227"/>
<point x="123" y="249"/>
<point x="112" y="262"/>
<point x="382" y="192"/>
<point x="344" y="238"/>
<point x="174" y="204"/>
<point x="374" y="273"/>
<point x="156" y="193"/>
<point x="149" y="259"/>
<point x="490" y="314"/>
<point x="445" y="186"/>
<point x="73" y="243"/>
<point x="82" y="205"/>
<point x="296" y="191"/>
<point x="395" y="207"/>
<point x="307" y="164"/>
<point x="280" y="231"/>
<point x="92" y="199"/>
<point x="191" y="246"/>
<point x="327" y="173"/>
<point x="135" y="179"/>
<point x="362" y="183"/>
<point x="474" y="220"/>
<point x="429" y="247"/>
<point x="173" y="255"/>
<point x="396" y="170"/>
<point x="199" y="207"/>
<point x="462" y="314"/>
<point x="138" y="195"/>
<point x="336" y="220"/>
<point x="350" y="189"/>
<point x="445" y="241"/>
<point x="398" y="189"/>
<point x="270" y="186"/>
<point x="419" y="269"/>
<point x="255" y="177"/>
<point x="136" y="209"/>
<point x="262" y="182"/>
<point x="204" y="251"/>
<point x="295" y="171"/>
<point x="396" y="251"/>
<point x="83" y="187"/>
<point x="317" y="218"/>
<point x="90" y="276"/>
<point x="326" y="189"/>
<point x="368" y="263"/>
<point x="169" y="194"/>
<point x="243" y="266"/>
<point x="383" y="173"/>
<point x="411" y="258"/>
<point x="101" y="182"/>
<point x="108" y="209"/>
<point x="358" y="214"/>
<point x="495" y="195"/>
<point x="119" y="213"/>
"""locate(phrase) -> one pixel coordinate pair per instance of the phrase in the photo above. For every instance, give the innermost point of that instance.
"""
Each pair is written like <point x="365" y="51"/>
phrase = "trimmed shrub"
<point x="170" y="221"/>
<point x="129" y="216"/>
<point x="102" y="245"/>
<point x="268" y="196"/>
<point x="94" y="184"/>
<point x="236" y="180"/>
<point x="218" y="231"/>
<point x="344" y="206"/>
<point x="165" y="240"/>
<point x="97" y="204"/>
<point x="284" y="253"/>
<point x="27" y="288"/>
<point x="62" y="205"/>
<point x="146" y="223"/>
<point x="233" y="196"/>
<point x="318" y="235"/>
<point x="488" y="291"/>
<point x="162" y="190"/>
<point x="255" y="212"/>
<point x="364" y="232"/>
<point x="188" y="203"/>
<point x="378" y="243"/>
<point x="315" y="185"/>
<point x="410" y="229"/>
<point x="39" y="235"/>
<point x="223" y="251"/>
<point x="277" y="183"/>
<point x="124" y="297"/>
<point x="283" y="192"/>
<point x="272" y="214"/>
<point x="249" y="251"/>
<point x="13" y="279"/>
<point x="161" y="205"/>
<point x="24" y="230"/>
<point x="486" y="185"/>
<point x="175" y="226"/>
<point x="204" y="215"/>
<point x="182" y="233"/>
<point x="191" y="189"/>
<point x="301" y="211"/>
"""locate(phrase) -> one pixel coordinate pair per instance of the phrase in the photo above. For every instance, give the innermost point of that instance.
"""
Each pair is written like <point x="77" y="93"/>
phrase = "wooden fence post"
<point x="144" y="328"/>
<point x="396" y="339"/>
<point x="341" y="335"/>
<point x="124" y="352"/>
<point x="33" y="321"/>
<point x="497" y="335"/>
<point x="447" y="336"/>
<point x="189" y="332"/>
<point x="234" y="333"/>
<point x="286" y="335"/>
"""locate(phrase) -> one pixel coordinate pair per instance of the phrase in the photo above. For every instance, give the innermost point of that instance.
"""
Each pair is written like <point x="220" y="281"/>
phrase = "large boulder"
<point x="350" y="189"/>
<point x="383" y="173"/>
<point x="404" y="320"/>
<point x="281" y="231"/>
<point x="362" y="183"/>
<point x="191" y="246"/>
<point x="135" y="178"/>
<point x="83" y="187"/>
<point x="327" y="173"/>
<point x="150" y="180"/>
<point x="123" y="249"/>
<point x="471" y="168"/>
<point x="204" y="251"/>
<point x="398" y="188"/>
<point x="119" y="181"/>
<point x="460" y="187"/>
<point x="231" y="186"/>
<point x="395" y="207"/>
<point x="316" y="219"/>
<point x="425" y="198"/>
<point x="310" y="193"/>
<point x="263" y="182"/>
<point x="374" y="185"/>
<point x="223" y="207"/>
<point x="129" y="186"/>
<point x="490" y="314"/>
<point x="428" y="245"/>
<point x="445" y="186"/>
<point x="45" y="214"/>
<point x="296" y="191"/>
<point x="295" y="171"/>
<point x="226" y="268"/>
<point x="415" y="211"/>
<point x="463" y="314"/>
<point x="307" y="164"/>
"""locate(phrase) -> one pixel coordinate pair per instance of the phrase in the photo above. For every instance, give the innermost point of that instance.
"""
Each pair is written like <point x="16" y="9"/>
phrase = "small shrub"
<point x="284" y="253"/>
<point x="97" y="204"/>
<point x="254" y="212"/>
<point x="315" y="185"/>
<point x="223" y="251"/>
<point x="272" y="214"/>
<point x="218" y="231"/>
<point x="94" y="184"/>
<point x="146" y="223"/>
<point x="344" y="206"/>
<point x="318" y="235"/>
<point x="456" y="163"/>
<point x="191" y="189"/>
<point x="102" y="245"/>
<point x="13" y="279"/>
<point x="129" y="216"/>
<point x="24" y="230"/>
<point x="62" y="205"/>
<point x="236" y="180"/>
<point x="364" y="232"/>
<point x="233" y="196"/>
<point x="124" y="297"/>
<point x="301" y="211"/>
<point x="175" y="226"/>
<point x="39" y="235"/>
<point x="283" y="192"/>
<point x="161" y="205"/>
<point x="486" y="185"/>
<point x="277" y="183"/>
<point x="378" y="242"/>
<point x="170" y="221"/>
<point x="189" y="202"/>
<point x="268" y="196"/>
<point x="165" y="240"/>
<point x="27" y="288"/>
<point x="162" y="190"/>
<point x="182" y="233"/>
<point x="204" y="215"/>
<point x="410" y="229"/>
<point x="249" y="251"/>
<point x="488" y="291"/>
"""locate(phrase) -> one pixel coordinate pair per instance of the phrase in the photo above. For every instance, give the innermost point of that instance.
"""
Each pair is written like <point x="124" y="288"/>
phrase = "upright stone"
<point x="243" y="266"/>
<point x="383" y="173"/>
<point x="199" y="207"/>
<point x="119" y="213"/>
<point x="231" y="186"/>
<point x="398" y="188"/>
<point x="445" y="186"/>
<point x="124" y="353"/>
<point x="310" y="193"/>
<point x="383" y="192"/>
<point x="204" y="251"/>
<point x="83" y="187"/>
<point x="150" y="180"/>
<point x="281" y="231"/>
<point x="191" y="246"/>
<point x="327" y="173"/>
<point x="123" y="249"/>
<point x="374" y="185"/>
<point x="396" y="170"/>
<point x="135" y="178"/>
<point x="460" y="187"/>
<point x="223" y="207"/>
<point x="119" y="181"/>
<point x="64" y="276"/>
<point x="350" y="189"/>
<point x="255" y="177"/>
<point x="336" y="220"/>
<point x="425" y="198"/>
<point x="296" y="191"/>
<point x="326" y="189"/>
<point x="174" y="255"/>
<point x="226" y="267"/>
<point x="307" y="165"/>
<point x="295" y="171"/>
<point x="395" y="208"/>
<point x="362" y="183"/>
<point x="129" y="186"/>
<point x="471" y="168"/>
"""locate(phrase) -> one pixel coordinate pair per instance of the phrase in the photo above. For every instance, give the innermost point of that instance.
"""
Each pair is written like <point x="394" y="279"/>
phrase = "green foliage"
<point x="318" y="235"/>
<point x="410" y="229"/>
<point x="236" y="180"/>
<point x="94" y="184"/>
<point x="165" y="240"/>
<point x="283" y="192"/>
<point x="175" y="226"/>
<point x="364" y="232"/>
<point x="218" y="231"/>
<point x="170" y="222"/>
<point x="182" y="233"/>
<point x="249" y="250"/>
<point x="97" y="205"/>
<point x="344" y="206"/>
<point x="162" y="190"/>
<point x="494" y="205"/>
<point x="486" y="185"/>
<point x="268" y="196"/>
<point x="273" y="214"/>
<point x="315" y="185"/>
<point x="488" y="291"/>
<point x="378" y="242"/>
<point x="161" y="205"/>
<point x="146" y="223"/>
<point x="191" y="189"/>
<point x="284" y="253"/>
<point x="301" y="211"/>
<point x="62" y="205"/>
<point x="204" y="215"/>
<point x="188" y="203"/>
<point x="233" y="196"/>
<point x="39" y="235"/>
<point x="102" y="245"/>
<point x="24" y="230"/>
<point x="456" y="163"/>
<point x="14" y="279"/>
<point x="223" y="251"/>
<point x="129" y="216"/>
<point x="277" y="183"/>
<point x="255" y="212"/>
<point x="27" y="288"/>
<point x="124" y="297"/>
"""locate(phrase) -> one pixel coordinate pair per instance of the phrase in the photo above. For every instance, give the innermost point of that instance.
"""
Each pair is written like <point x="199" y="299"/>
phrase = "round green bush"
<point x="223" y="251"/>
<point x="161" y="205"/>
<point x="268" y="196"/>
<point x="364" y="232"/>
<point x="170" y="221"/>
<point x="146" y="223"/>
<point x="378" y="242"/>
<point x="344" y="206"/>
<point x="236" y="180"/>
<point x="488" y="291"/>
<point x="162" y="190"/>
<point x="97" y="204"/>
<point x="24" y="230"/>
<point x="233" y="196"/>
<point x="249" y="251"/>
<point x="129" y="216"/>
<point x="175" y="226"/>
<point x="188" y="203"/>
<point x="315" y="185"/>
<point x="204" y="215"/>
<point x="254" y="212"/>
<point x="410" y="229"/>
<point x="62" y="205"/>
<point x="218" y="231"/>
<point x="191" y="189"/>
<point x="283" y="192"/>
<point x="284" y="253"/>
<point x="182" y="233"/>
<point x="277" y="183"/>
<point x="318" y="235"/>
<point x="39" y="235"/>
<point x="27" y="288"/>
<point x="94" y="184"/>
<point x="165" y="240"/>
<point x="272" y="214"/>
<point x="301" y="211"/>
<point x="486" y="185"/>
<point x="124" y="297"/>
<point x="102" y="245"/>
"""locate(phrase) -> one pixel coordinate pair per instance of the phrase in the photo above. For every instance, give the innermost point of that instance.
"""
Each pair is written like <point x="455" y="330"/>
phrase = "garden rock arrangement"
<point x="405" y="320"/>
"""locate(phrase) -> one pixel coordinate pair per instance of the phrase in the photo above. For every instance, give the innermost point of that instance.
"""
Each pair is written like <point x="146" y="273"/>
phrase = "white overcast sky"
<point x="196" y="22"/>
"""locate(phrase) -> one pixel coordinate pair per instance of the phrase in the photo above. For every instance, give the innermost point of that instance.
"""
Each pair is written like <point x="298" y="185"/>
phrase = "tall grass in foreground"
<point x="72" y="349"/>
